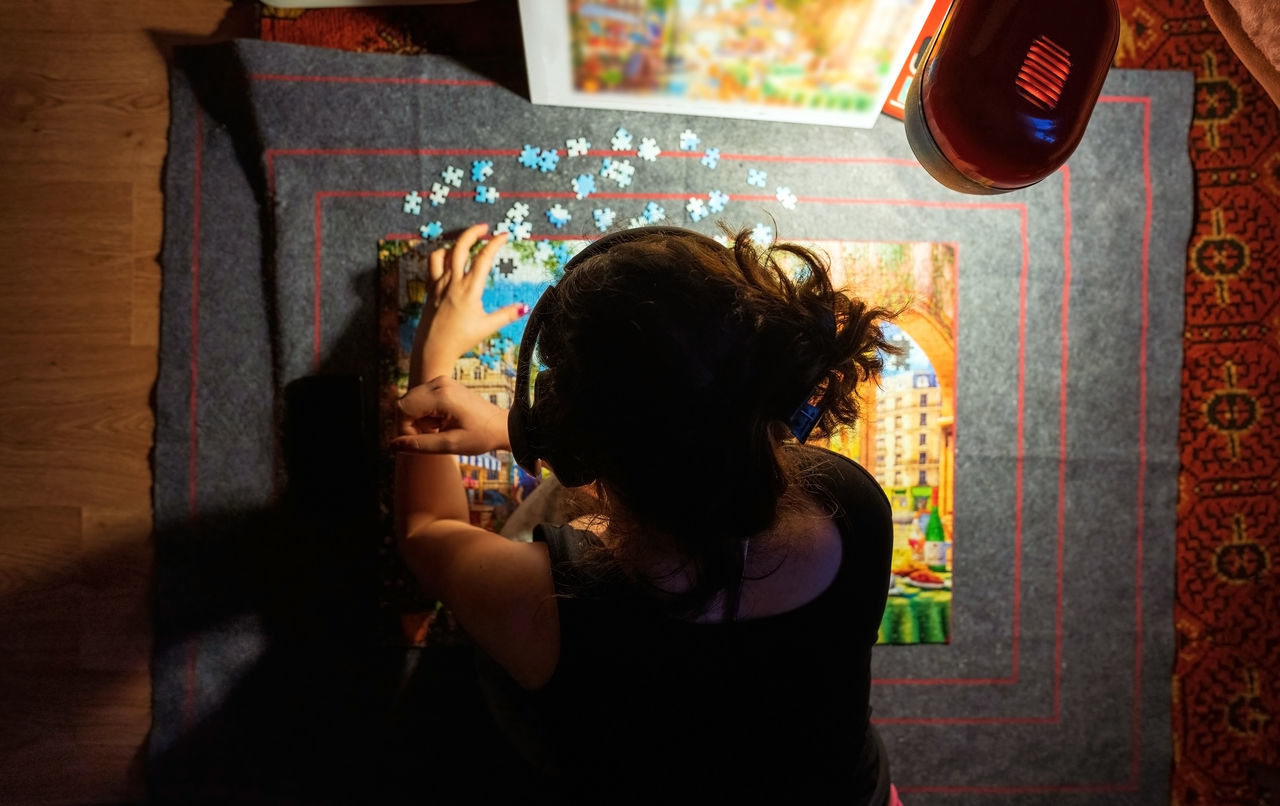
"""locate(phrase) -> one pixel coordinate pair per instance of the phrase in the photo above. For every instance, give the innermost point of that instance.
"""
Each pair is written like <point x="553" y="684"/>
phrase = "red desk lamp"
<point x="1005" y="92"/>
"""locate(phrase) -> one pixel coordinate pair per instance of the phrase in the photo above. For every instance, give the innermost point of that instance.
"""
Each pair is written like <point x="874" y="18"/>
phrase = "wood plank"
<point x="115" y="570"/>
<point x="71" y="18"/>
<point x="94" y="478"/>
<point x="83" y="127"/>
<point x="39" y="577"/>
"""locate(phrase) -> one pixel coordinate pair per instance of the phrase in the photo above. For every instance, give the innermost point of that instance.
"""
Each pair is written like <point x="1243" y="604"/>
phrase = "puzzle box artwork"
<point x="829" y="62"/>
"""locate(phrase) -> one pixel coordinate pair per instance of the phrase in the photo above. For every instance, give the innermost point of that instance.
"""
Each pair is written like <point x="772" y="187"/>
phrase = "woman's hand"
<point x="443" y="416"/>
<point x="453" y="318"/>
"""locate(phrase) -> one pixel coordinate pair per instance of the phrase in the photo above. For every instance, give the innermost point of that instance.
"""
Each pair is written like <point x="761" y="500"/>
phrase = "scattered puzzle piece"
<point x="696" y="208"/>
<point x="452" y="176"/>
<point x="716" y="200"/>
<point x="653" y="213"/>
<point x="756" y="177"/>
<point x="548" y="159"/>
<point x="638" y="221"/>
<point x="519" y="230"/>
<point x="481" y="170"/>
<point x="620" y="171"/>
<point x="584" y="186"/>
<point x="486" y="194"/>
<point x="786" y="197"/>
<point x="604" y="218"/>
<point x="558" y="216"/>
<point x="621" y="140"/>
<point x="761" y="234"/>
<point x="529" y="156"/>
<point x="432" y="231"/>
<point x="413" y="203"/>
<point x="688" y="140"/>
<point x="518" y="212"/>
<point x="711" y="157"/>
<point x="649" y="150"/>
<point x="577" y="146"/>
<point x="439" y="193"/>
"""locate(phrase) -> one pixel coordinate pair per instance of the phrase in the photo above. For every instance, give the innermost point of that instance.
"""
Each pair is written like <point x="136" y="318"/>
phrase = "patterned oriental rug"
<point x="1226" y="679"/>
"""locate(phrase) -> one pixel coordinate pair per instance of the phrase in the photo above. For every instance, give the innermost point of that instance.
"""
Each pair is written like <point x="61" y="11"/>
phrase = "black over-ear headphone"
<point x="532" y="434"/>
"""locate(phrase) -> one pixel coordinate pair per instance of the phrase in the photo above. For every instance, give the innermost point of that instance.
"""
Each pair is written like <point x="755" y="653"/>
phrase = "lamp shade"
<point x="1005" y="93"/>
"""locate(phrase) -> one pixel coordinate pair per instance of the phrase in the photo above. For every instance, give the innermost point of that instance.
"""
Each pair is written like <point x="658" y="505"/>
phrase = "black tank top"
<point x="650" y="708"/>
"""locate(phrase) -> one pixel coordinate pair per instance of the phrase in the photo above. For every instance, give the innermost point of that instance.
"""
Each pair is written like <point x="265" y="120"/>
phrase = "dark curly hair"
<point x="675" y="358"/>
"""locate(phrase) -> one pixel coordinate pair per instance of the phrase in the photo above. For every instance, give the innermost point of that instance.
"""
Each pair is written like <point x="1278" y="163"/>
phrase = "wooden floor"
<point x="83" y="119"/>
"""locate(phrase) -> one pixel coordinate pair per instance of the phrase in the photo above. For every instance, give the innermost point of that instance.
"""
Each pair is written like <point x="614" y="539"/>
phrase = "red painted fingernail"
<point x="523" y="310"/>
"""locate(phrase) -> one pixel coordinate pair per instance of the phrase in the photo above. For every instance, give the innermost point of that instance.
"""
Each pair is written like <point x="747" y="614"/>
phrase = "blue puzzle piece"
<point x="584" y="186"/>
<point x="548" y="159"/>
<point x="604" y="218"/>
<point x="432" y="231"/>
<point x="711" y="157"/>
<point x="716" y="200"/>
<point x="529" y="156"/>
<point x="558" y="216"/>
<point x="481" y="170"/>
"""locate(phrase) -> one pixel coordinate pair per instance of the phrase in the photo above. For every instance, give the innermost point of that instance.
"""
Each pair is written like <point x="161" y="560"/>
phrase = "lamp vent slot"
<point x="1044" y="73"/>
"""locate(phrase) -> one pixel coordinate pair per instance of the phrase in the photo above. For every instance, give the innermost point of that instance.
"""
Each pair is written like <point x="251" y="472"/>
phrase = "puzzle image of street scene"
<point x="905" y="437"/>
<point x="816" y="54"/>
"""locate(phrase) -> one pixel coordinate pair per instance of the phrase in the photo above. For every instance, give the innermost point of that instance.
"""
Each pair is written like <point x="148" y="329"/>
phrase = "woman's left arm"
<point x="500" y="590"/>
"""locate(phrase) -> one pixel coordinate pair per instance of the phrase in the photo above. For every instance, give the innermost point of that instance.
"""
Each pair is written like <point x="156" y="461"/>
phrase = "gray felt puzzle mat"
<point x="289" y="164"/>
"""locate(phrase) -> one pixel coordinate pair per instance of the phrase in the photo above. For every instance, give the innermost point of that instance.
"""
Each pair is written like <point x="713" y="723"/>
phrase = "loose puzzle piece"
<point x="518" y="212"/>
<point x="762" y="234"/>
<point x="481" y="170"/>
<point x="486" y="194"/>
<point x="413" y="203"/>
<point x="558" y="216"/>
<point x="716" y="200"/>
<point x="697" y="209"/>
<point x="688" y="140"/>
<point x="620" y="171"/>
<point x="432" y="231"/>
<point x="653" y="213"/>
<point x="756" y="177"/>
<point x="577" y="146"/>
<point x="711" y="157"/>
<point x="638" y="221"/>
<point x="452" y="176"/>
<point x="604" y="218"/>
<point x="584" y="186"/>
<point x="439" y="193"/>
<point x="649" y="150"/>
<point x="529" y="156"/>
<point x="548" y="159"/>
<point x="622" y="140"/>
<point x="786" y="197"/>
<point x="519" y="230"/>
